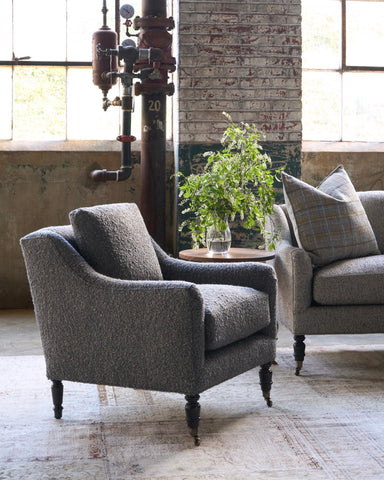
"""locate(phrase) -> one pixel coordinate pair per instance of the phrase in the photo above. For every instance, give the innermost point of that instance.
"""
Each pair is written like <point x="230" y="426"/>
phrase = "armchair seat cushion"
<point x="223" y="304"/>
<point x="357" y="281"/>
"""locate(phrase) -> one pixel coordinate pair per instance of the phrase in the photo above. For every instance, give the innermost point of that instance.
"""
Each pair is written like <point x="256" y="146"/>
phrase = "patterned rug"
<point x="326" y="424"/>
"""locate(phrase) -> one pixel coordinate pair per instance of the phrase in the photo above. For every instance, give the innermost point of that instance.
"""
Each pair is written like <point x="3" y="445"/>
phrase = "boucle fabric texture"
<point x="355" y="281"/>
<point x="329" y="221"/>
<point x="334" y="284"/>
<point x="373" y="203"/>
<point x="223" y="304"/>
<point x="141" y="334"/>
<point x="114" y="240"/>
<point x="259" y="276"/>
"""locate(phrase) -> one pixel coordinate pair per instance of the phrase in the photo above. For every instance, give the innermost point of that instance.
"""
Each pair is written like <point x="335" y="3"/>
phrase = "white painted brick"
<point x="243" y="57"/>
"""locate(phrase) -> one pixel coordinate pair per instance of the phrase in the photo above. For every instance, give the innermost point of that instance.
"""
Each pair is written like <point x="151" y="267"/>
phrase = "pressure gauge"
<point x="128" y="43"/>
<point x="127" y="11"/>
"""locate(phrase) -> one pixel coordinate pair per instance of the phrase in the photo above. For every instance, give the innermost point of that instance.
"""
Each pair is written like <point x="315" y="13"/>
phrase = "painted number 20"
<point x="154" y="105"/>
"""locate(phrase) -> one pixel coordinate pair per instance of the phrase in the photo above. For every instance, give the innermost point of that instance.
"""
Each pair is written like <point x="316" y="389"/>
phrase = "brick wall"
<point x="242" y="57"/>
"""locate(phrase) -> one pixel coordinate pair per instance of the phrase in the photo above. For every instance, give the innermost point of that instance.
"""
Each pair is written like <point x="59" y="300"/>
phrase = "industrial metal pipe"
<point x="125" y="138"/>
<point x="154" y="33"/>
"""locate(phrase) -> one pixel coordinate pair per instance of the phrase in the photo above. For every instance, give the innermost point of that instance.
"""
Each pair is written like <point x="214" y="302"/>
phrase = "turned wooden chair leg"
<point x="57" y="397"/>
<point x="192" y="410"/>
<point x="299" y="352"/>
<point x="265" y="375"/>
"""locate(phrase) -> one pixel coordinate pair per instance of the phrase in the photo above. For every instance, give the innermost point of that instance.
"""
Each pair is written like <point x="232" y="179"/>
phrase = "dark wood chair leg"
<point x="265" y="375"/>
<point x="299" y="352"/>
<point x="192" y="411"/>
<point x="57" y="397"/>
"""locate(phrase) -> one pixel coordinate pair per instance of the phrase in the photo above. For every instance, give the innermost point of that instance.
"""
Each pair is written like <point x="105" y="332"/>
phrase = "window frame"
<point x="344" y="68"/>
<point x="67" y="64"/>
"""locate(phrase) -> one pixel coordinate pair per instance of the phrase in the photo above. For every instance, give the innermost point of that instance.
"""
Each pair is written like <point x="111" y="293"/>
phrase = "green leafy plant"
<point x="236" y="181"/>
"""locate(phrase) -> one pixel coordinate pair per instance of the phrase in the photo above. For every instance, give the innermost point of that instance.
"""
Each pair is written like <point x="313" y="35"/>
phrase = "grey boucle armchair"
<point x="114" y="309"/>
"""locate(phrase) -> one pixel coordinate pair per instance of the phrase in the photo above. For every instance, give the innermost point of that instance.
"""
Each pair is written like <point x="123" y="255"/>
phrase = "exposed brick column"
<point x="242" y="57"/>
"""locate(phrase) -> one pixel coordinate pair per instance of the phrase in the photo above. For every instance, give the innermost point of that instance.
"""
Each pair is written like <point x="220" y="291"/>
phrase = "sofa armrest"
<point x="96" y="329"/>
<point x="294" y="272"/>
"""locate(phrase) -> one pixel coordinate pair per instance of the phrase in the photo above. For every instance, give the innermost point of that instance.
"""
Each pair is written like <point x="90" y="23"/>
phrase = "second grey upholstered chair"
<point x="344" y="297"/>
<point x="114" y="309"/>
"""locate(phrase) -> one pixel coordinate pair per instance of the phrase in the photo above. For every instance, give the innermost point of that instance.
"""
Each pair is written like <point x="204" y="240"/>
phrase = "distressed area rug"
<point x="326" y="424"/>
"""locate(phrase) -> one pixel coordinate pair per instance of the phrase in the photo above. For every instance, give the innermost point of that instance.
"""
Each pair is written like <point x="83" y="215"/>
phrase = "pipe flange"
<point x="153" y="22"/>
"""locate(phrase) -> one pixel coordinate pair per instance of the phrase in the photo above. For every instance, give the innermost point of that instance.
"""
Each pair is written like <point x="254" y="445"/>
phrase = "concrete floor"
<point x="19" y="335"/>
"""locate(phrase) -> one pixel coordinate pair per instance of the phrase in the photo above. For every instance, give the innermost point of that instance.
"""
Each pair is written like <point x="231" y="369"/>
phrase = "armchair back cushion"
<point x="115" y="242"/>
<point x="329" y="221"/>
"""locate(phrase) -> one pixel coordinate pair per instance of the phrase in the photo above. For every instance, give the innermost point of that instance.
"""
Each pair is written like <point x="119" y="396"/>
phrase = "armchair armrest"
<point x="259" y="276"/>
<point x="96" y="329"/>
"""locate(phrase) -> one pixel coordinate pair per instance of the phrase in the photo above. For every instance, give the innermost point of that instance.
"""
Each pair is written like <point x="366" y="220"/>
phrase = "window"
<point x="343" y="70"/>
<point x="46" y="75"/>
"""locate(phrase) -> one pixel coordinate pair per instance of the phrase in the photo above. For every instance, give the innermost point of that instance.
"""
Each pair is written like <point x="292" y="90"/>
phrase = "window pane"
<point x="40" y="29"/>
<point x="39" y="103"/>
<point x="321" y="106"/>
<point x="86" y="118"/>
<point x="84" y="17"/>
<point x="6" y="103"/>
<point x="363" y="101"/>
<point x="6" y="30"/>
<point x="321" y="33"/>
<point x="365" y="34"/>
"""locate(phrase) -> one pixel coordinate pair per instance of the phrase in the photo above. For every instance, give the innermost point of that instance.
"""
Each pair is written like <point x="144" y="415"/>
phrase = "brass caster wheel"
<point x="267" y="398"/>
<point x="298" y="368"/>
<point x="195" y="436"/>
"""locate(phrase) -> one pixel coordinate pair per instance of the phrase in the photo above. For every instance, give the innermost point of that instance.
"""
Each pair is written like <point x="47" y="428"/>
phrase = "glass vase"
<point x="218" y="239"/>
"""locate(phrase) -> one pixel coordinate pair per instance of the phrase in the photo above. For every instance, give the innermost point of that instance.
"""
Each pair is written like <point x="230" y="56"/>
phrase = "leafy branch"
<point x="237" y="181"/>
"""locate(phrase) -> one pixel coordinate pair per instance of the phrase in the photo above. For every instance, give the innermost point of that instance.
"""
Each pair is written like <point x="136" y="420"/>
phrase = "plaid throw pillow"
<point x="329" y="221"/>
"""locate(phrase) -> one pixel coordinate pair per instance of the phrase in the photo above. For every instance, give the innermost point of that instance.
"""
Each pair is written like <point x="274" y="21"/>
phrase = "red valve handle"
<point x="126" y="138"/>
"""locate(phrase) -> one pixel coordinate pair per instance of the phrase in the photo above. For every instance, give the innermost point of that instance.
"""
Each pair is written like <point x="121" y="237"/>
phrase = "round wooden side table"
<point x="234" y="255"/>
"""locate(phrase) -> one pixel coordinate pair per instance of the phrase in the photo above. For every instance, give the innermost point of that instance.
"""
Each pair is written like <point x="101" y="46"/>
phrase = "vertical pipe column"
<point x="153" y="165"/>
<point x="154" y="27"/>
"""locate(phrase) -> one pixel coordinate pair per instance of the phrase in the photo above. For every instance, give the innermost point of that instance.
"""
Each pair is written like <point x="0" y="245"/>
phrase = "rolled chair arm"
<point x="294" y="272"/>
<point x="259" y="276"/>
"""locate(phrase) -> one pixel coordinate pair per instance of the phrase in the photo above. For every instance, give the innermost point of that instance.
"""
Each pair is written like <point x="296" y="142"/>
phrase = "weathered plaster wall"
<point x="244" y="58"/>
<point x="39" y="189"/>
<point x="364" y="163"/>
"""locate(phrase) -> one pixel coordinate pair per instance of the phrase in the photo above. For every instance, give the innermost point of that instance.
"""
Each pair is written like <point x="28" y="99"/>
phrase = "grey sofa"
<point x="114" y="309"/>
<point x="344" y="297"/>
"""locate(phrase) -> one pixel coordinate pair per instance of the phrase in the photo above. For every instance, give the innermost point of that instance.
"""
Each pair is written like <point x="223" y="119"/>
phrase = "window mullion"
<point x="13" y="70"/>
<point x="66" y="71"/>
<point x="343" y="34"/>
<point x="343" y="63"/>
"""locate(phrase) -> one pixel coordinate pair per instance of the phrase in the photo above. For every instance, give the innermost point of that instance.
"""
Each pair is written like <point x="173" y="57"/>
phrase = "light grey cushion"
<point x="115" y="242"/>
<point x="373" y="203"/>
<point x="356" y="281"/>
<point x="329" y="221"/>
<point x="232" y="313"/>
